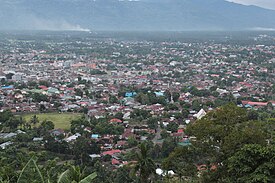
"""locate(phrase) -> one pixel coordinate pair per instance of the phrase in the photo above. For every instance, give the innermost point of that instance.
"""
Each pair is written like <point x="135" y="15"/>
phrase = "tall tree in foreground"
<point x="75" y="175"/>
<point x="253" y="163"/>
<point x="31" y="173"/>
<point x="145" y="165"/>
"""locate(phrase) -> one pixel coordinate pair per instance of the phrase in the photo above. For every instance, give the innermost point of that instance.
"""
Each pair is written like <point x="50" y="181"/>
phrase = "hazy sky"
<point x="270" y="4"/>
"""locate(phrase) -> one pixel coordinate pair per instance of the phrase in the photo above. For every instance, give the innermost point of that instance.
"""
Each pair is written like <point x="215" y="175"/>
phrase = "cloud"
<point x="269" y="4"/>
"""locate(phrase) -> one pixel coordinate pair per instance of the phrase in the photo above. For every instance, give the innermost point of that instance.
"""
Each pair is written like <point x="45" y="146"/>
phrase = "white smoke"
<point x="57" y="25"/>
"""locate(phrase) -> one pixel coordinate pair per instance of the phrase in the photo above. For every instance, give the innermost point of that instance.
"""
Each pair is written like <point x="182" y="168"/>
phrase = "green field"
<point x="60" y="120"/>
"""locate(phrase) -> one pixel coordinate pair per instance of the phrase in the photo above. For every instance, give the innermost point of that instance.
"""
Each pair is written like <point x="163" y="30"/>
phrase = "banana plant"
<point x="75" y="175"/>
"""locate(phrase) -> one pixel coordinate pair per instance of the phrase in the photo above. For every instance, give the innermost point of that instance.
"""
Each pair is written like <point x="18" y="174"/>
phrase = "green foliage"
<point x="37" y="97"/>
<point x="132" y="142"/>
<point x="78" y="125"/>
<point x="76" y="175"/>
<point x="97" y="72"/>
<point x="152" y="123"/>
<point x="169" y="144"/>
<point x="173" y="127"/>
<point x="181" y="160"/>
<point x="145" y="165"/>
<point x="123" y="175"/>
<point x="149" y="99"/>
<point x="119" y="115"/>
<point x="223" y="132"/>
<point x="140" y="114"/>
<point x="8" y="120"/>
<point x="252" y="164"/>
<point x="171" y="106"/>
<point x="79" y="92"/>
<point x="175" y="96"/>
<point x="45" y="127"/>
<point x="164" y="134"/>
<point x="113" y="99"/>
<point x="31" y="173"/>
<point x="82" y="148"/>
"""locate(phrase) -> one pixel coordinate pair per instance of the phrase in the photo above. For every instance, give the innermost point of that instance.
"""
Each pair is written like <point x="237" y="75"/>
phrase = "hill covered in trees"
<point x="160" y="15"/>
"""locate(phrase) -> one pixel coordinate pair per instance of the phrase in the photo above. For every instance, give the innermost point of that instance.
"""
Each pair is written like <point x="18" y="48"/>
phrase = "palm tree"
<point x="145" y="165"/>
<point x="75" y="175"/>
<point x="34" y="120"/>
<point x="32" y="173"/>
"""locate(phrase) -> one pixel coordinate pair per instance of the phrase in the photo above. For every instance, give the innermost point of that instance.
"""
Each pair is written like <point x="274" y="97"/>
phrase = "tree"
<point x="103" y="174"/>
<point x="132" y="142"/>
<point x="185" y="113"/>
<point x="37" y="97"/>
<point x="113" y="99"/>
<point x="145" y="165"/>
<point x="196" y="105"/>
<point x="182" y="161"/>
<point x="175" y="96"/>
<point x="78" y="125"/>
<point x="253" y="163"/>
<point x="164" y="134"/>
<point x="31" y="173"/>
<point x="42" y="107"/>
<point x="140" y="114"/>
<point x="167" y="95"/>
<point x="34" y="120"/>
<point x="168" y="146"/>
<point x="152" y="123"/>
<point x="75" y="175"/>
<point x="81" y="149"/>
<point x="78" y="92"/>
<point x="173" y="127"/>
<point x="119" y="115"/>
<point x="221" y="133"/>
<point x="142" y="98"/>
<point x="218" y="124"/>
<point x="45" y="127"/>
<point x="252" y="115"/>
<point x="122" y="175"/>
<point x="13" y="123"/>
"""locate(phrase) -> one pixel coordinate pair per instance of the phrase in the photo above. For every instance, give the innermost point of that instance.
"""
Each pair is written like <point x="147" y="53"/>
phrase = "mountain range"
<point x="136" y="15"/>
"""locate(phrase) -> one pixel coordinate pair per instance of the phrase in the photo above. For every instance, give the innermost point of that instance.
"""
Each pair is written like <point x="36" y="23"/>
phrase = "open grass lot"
<point x="60" y="120"/>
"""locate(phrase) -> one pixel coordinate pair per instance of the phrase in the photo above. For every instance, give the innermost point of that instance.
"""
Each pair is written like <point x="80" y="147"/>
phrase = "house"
<point x="37" y="139"/>
<point x="4" y="145"/>
<point x="73" y="137"/>
<point x="130" y="94"/>
<point x="115" y="162"/>
<point x="93" y="156"/>
<point x="95" y="136"/>
<point x="111" y="152"/>
<point x="57" y="132"/>
<point x="159" y="94"/>
<point x="253" y="104"/>
<point x="121" y="144"/>
<point x="200" y="114"/>
<point x="164" y="173"/>
<point x="115" y="120"/>
<point x="10" y="87"/>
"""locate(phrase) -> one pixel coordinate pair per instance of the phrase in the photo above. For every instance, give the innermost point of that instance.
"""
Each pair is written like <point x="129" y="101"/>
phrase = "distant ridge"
<point x="137" y="15"/>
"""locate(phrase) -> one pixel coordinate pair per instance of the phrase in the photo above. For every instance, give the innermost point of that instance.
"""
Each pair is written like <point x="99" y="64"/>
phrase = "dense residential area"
<point x="109" y="108"/>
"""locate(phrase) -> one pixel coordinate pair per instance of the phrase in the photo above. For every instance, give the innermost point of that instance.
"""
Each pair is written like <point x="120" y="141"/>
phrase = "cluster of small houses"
<point x="202" y="65"/>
